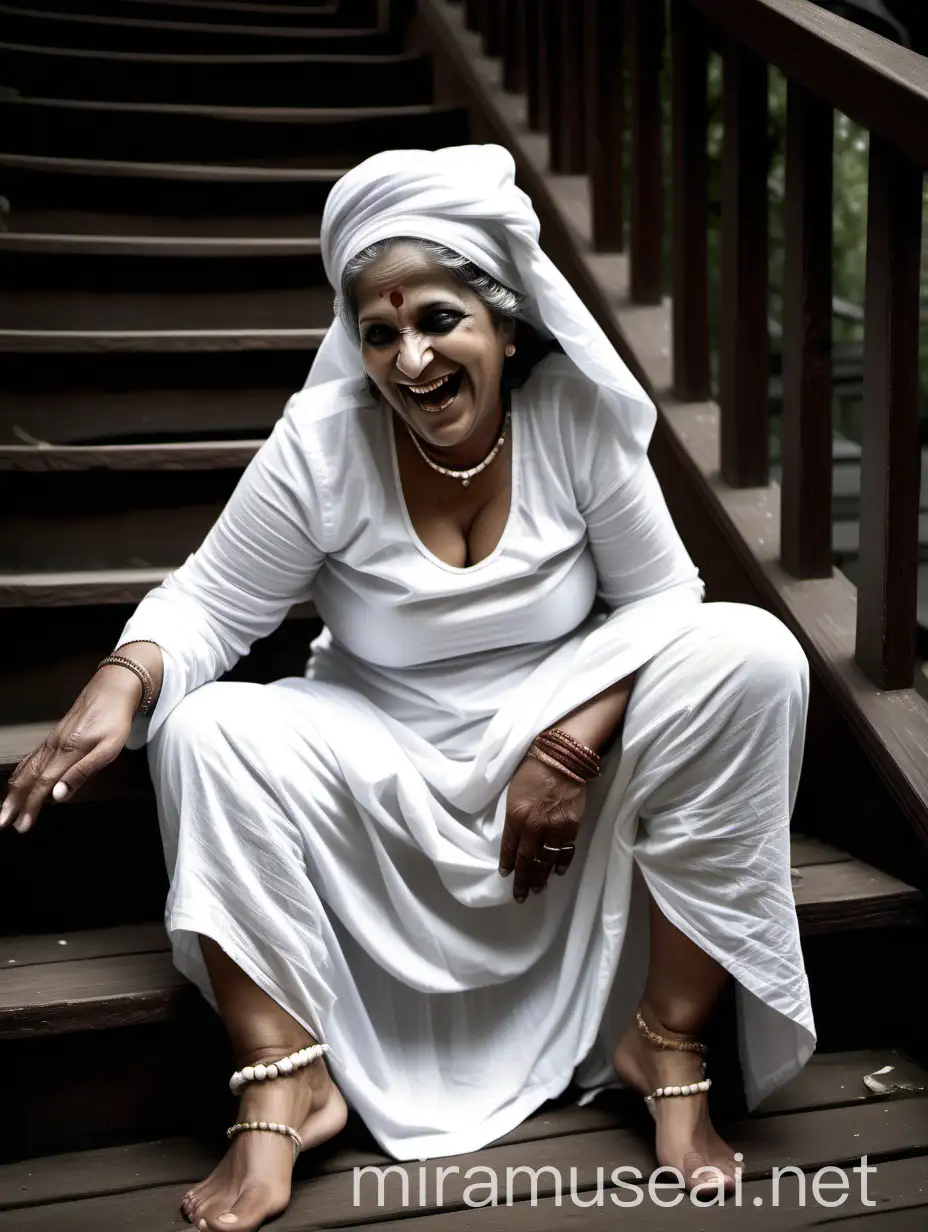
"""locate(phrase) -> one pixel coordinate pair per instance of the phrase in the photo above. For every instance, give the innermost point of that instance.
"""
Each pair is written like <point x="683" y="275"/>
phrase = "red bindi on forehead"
<point x="396" y="299"/>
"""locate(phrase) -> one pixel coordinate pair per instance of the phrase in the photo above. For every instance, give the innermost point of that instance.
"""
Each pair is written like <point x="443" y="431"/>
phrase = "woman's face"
<point x="431" y="347"/>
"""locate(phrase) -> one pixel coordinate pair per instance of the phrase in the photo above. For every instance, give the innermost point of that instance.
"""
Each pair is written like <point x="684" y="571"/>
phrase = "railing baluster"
<point x="646" y="53"/>
<point x="490" y="17"/>
<point x="536" y="68"/>
<point x="566" y="122"/>
<point x="690" y="65"/>
<point x="605" y="120"/>
<point x="889" y="496"/>
<point x="513" y="50"/>
<point x="472" y="14"/>
<point x="554" y="94"/>
<point x="805" y="516"/>
<point x="743" y="375"/>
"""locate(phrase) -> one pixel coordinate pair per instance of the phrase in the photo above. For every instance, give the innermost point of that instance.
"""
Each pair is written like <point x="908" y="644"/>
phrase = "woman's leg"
<point x="717" y="738"/>
<point x="681" y="993"/>
<point x="246" y="795"/>
<point x="252" y="1183"/>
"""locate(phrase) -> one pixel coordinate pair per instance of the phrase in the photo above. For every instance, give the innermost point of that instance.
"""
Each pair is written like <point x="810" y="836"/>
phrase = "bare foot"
<point x="252" y="1182"/>
<point x="686" y="1138"/>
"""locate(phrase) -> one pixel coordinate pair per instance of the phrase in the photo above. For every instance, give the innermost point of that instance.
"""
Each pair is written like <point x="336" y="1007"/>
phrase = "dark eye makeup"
<point x="432" y="321"/>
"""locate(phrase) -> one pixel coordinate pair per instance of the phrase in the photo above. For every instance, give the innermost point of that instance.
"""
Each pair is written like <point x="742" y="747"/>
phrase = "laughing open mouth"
<point x="436" y="395"/>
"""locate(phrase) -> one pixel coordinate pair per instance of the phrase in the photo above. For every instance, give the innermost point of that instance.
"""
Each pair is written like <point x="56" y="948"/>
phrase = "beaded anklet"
<point x="272" y="1126"/>
<point x="277" y="1069"/>
<point x="676" y="1045"/>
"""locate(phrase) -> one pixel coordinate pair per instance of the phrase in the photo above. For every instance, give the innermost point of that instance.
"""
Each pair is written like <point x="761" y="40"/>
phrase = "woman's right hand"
<point x="89" y="737"/>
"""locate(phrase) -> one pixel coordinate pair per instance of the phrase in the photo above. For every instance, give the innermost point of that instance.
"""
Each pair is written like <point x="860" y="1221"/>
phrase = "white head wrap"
<point x="465" y="197"/>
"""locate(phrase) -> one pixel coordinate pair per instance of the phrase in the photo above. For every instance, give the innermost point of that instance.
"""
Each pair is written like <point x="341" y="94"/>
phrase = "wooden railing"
<point x="573" y="61"/>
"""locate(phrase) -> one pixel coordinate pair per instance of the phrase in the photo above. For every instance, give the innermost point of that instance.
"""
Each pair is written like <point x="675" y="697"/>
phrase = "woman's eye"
<point x="378" y="335"/>
<point x="440" y="322"/>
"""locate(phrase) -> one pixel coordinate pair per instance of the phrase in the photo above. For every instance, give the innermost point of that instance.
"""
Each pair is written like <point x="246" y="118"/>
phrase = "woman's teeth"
<point x="421" y="392"/>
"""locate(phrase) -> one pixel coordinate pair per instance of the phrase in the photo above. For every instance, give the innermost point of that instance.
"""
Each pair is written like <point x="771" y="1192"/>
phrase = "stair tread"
<point x="156" y="246"/>
<point x="98" y="1190"/>
<point x="284" y="115"/>
<point x="173" y="311"/>
<point x="88" y="417"/>
<point x="211" y="172"/>
<point x="40" y="949"/>
<point x="207" y="59"/>
<point x="99" y="972"/>
<point x="88" y="993"/>
<point x="89" y="586"/>
<point x="44" y="341"/>
<point x="74" y="227"/>
<point x="188" y="455"/>
<point x="830" y="1080"/>
<point x="237" y="24"/>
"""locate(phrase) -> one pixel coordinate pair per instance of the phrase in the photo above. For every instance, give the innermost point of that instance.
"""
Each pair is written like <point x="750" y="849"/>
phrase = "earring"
<point x="510" y="350"/>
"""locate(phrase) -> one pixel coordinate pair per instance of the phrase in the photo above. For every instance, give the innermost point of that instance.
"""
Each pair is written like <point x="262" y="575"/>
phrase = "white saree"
<point x="338" y="833"/>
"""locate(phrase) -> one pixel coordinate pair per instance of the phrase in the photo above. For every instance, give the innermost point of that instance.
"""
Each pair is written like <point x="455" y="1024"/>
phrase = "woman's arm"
<point x="597" y="721"/>
<point x="638" y="554"/>
<point x="257" y="561"/>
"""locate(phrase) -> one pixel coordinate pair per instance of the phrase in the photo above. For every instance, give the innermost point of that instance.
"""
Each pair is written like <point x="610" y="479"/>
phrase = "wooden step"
<point x="84" y="413"/>
<point x="192" y="33"/>
<point x="57" y="652"/>
<point x="279" y="79"/>
<point x="90" y="586"/>
<point x="87" y="980"/>
<point x="823" y="1117"/>
<point x="150" y="248"/>
<point x="152" y="340"/>
<point x="54" y="984"/>
<point x="161" y="284"/>
<point x="343" y="14"/>
<point x="157" y="195"/>
<point x="186" y="456"/>
<point x="79" y="233"/>
<point x="215" y="134"/>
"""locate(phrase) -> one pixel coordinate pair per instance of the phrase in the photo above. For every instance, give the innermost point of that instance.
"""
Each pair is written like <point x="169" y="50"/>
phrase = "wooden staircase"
<point x="166" y="164"/>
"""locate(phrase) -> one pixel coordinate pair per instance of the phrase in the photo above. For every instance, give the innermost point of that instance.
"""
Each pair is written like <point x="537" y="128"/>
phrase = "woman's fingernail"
<point x="6" y="812"/>
<point x="537" y="889"/>
<point x="520" y="898"/>
<point x="23" y="824"/>
<point x="59" y="791"/>
<point x="504" y="872"/>
<point x="230" y="1218"/>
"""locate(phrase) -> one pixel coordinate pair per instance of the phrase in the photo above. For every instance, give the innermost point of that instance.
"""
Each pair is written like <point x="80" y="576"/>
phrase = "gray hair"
<point x="502" y="302"/>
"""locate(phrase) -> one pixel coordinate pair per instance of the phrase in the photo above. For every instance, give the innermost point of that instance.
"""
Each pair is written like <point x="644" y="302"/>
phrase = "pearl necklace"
<point x="464" y="476"/>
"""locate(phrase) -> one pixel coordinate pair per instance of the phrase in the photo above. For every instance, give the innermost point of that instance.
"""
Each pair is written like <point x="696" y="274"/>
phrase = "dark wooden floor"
<point x="826" y="1116"/>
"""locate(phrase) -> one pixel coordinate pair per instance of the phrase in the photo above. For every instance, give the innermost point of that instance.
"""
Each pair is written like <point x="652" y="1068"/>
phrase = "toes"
<point x="246" y="1212"/>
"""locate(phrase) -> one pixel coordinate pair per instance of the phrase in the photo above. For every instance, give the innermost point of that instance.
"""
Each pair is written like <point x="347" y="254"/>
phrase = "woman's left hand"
<point x="544" y="808"/>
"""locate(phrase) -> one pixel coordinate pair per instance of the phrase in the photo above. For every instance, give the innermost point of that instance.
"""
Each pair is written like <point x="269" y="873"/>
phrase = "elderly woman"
<point x="495" y="840"/>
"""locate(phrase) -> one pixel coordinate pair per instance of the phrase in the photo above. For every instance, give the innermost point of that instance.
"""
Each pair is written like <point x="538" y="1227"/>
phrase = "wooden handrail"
<point x="830" y="63"/>
<point x="878" y="84"/>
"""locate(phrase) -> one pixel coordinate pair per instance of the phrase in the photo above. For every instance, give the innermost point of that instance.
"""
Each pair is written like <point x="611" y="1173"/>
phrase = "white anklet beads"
<point x="272" y="1126"/>
<point x="277" y="1069"/>
<point x="693" y="1088"/>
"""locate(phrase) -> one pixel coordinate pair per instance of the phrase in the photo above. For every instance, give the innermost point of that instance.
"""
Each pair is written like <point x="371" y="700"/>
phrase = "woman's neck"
<point x="473" y="450"/>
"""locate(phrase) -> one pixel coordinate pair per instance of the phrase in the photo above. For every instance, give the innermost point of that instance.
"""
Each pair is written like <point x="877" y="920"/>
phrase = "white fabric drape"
<point x="466" y="198"/>
<point x="338" y="832"/>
